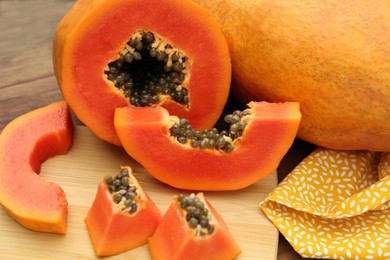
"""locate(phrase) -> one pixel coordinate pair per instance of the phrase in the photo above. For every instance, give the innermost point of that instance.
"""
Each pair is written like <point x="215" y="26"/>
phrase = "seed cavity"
<point x="124" y="193"/>
<point x="197" y="215"/>
<point x="223" y="140"/>
<point x="149" y="69"/>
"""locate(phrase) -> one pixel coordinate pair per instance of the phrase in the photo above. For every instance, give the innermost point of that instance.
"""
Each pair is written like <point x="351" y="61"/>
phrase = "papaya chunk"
<point x="122" y="216"/>
<point x="110" y="54"/>
<point x="146" y="134"/>
<point x="25" y="143"/>
<point x="181" y="237"/>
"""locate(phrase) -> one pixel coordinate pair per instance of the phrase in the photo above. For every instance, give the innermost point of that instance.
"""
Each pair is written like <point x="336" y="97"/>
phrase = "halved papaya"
<point x="192" y="229"/>
<point x="122" y="216"/>
<point x="25" y="143"/>
<point x="110" y="54"/>
<point x="173" y="152"/>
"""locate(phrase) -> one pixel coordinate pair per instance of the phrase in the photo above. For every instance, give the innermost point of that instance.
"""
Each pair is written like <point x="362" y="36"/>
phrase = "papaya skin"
<point x="25" y="143"/>
<point x="331" y="56"/>
<point x="93" y="32"/>
<point x="144" y="133"/>
<point x="174" y="240"/>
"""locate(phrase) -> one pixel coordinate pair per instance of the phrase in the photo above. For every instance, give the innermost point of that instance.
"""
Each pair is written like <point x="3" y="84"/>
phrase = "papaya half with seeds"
<point x="25" y="143"/>
<point x="173" y="152"/>
<point x="192" y="229"/>
<point x="113" y="53"/>
<point x="122" y="216"/>
<point x="331" y="56"/>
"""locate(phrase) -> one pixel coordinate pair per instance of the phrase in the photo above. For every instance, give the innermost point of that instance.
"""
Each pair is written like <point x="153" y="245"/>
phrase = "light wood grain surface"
<point x="81" y="170"/>
<point x="26" y="32"/>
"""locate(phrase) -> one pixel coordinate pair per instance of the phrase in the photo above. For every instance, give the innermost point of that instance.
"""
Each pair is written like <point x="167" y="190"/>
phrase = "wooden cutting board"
<point x="80" y="171"/>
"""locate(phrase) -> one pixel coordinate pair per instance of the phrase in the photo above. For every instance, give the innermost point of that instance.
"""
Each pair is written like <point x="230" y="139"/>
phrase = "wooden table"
<point x="26" y="32"/>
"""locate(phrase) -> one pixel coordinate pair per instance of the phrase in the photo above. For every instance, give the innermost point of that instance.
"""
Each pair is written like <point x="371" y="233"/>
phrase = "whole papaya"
<point x="332" y="56"/>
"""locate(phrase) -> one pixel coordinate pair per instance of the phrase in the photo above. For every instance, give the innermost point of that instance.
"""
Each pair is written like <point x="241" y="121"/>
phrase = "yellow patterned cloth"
<point x="335" y="204"/>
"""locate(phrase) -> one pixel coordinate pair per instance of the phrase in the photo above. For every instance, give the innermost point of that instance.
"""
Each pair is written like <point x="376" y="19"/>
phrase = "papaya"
<point x="192" y="229"/>
<point x="331" y="56"/>
<point x="173" y="152"/>
<point x="117" y="53"/>
<point x="122" y="216"/>
<point x="25" y="143"/>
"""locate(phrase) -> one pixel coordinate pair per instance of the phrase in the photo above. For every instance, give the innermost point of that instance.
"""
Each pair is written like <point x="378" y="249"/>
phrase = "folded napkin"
<point x="335" y="204"/>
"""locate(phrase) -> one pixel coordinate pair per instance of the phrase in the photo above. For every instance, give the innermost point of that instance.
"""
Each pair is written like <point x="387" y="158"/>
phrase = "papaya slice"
<point x="109" y="54"/>
<point x="174" y="153"/>
<point x="25" y="143"/>
<point x="122" y="216"/>
<point x="192" y="229"/>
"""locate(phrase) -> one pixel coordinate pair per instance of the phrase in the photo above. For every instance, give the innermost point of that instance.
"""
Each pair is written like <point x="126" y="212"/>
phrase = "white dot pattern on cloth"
<point x="335" y="204"/>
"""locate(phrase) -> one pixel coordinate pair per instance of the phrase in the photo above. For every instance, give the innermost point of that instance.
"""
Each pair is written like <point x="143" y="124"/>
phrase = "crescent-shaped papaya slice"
<point x="122" y="216"/>
<point x="25" y="143"/>
<point x="192" y="229"/>
<point x="170" y="151"/>
<point x="113" y="53"/>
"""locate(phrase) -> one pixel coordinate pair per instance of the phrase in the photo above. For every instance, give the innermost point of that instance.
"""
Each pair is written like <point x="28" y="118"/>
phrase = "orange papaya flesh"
<point x="176" y="238"/>
<point x="93" y="32"/>
<point x="116" y="226"/>
<point x="270" y="131"/>
<point x="25" y="143"/>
